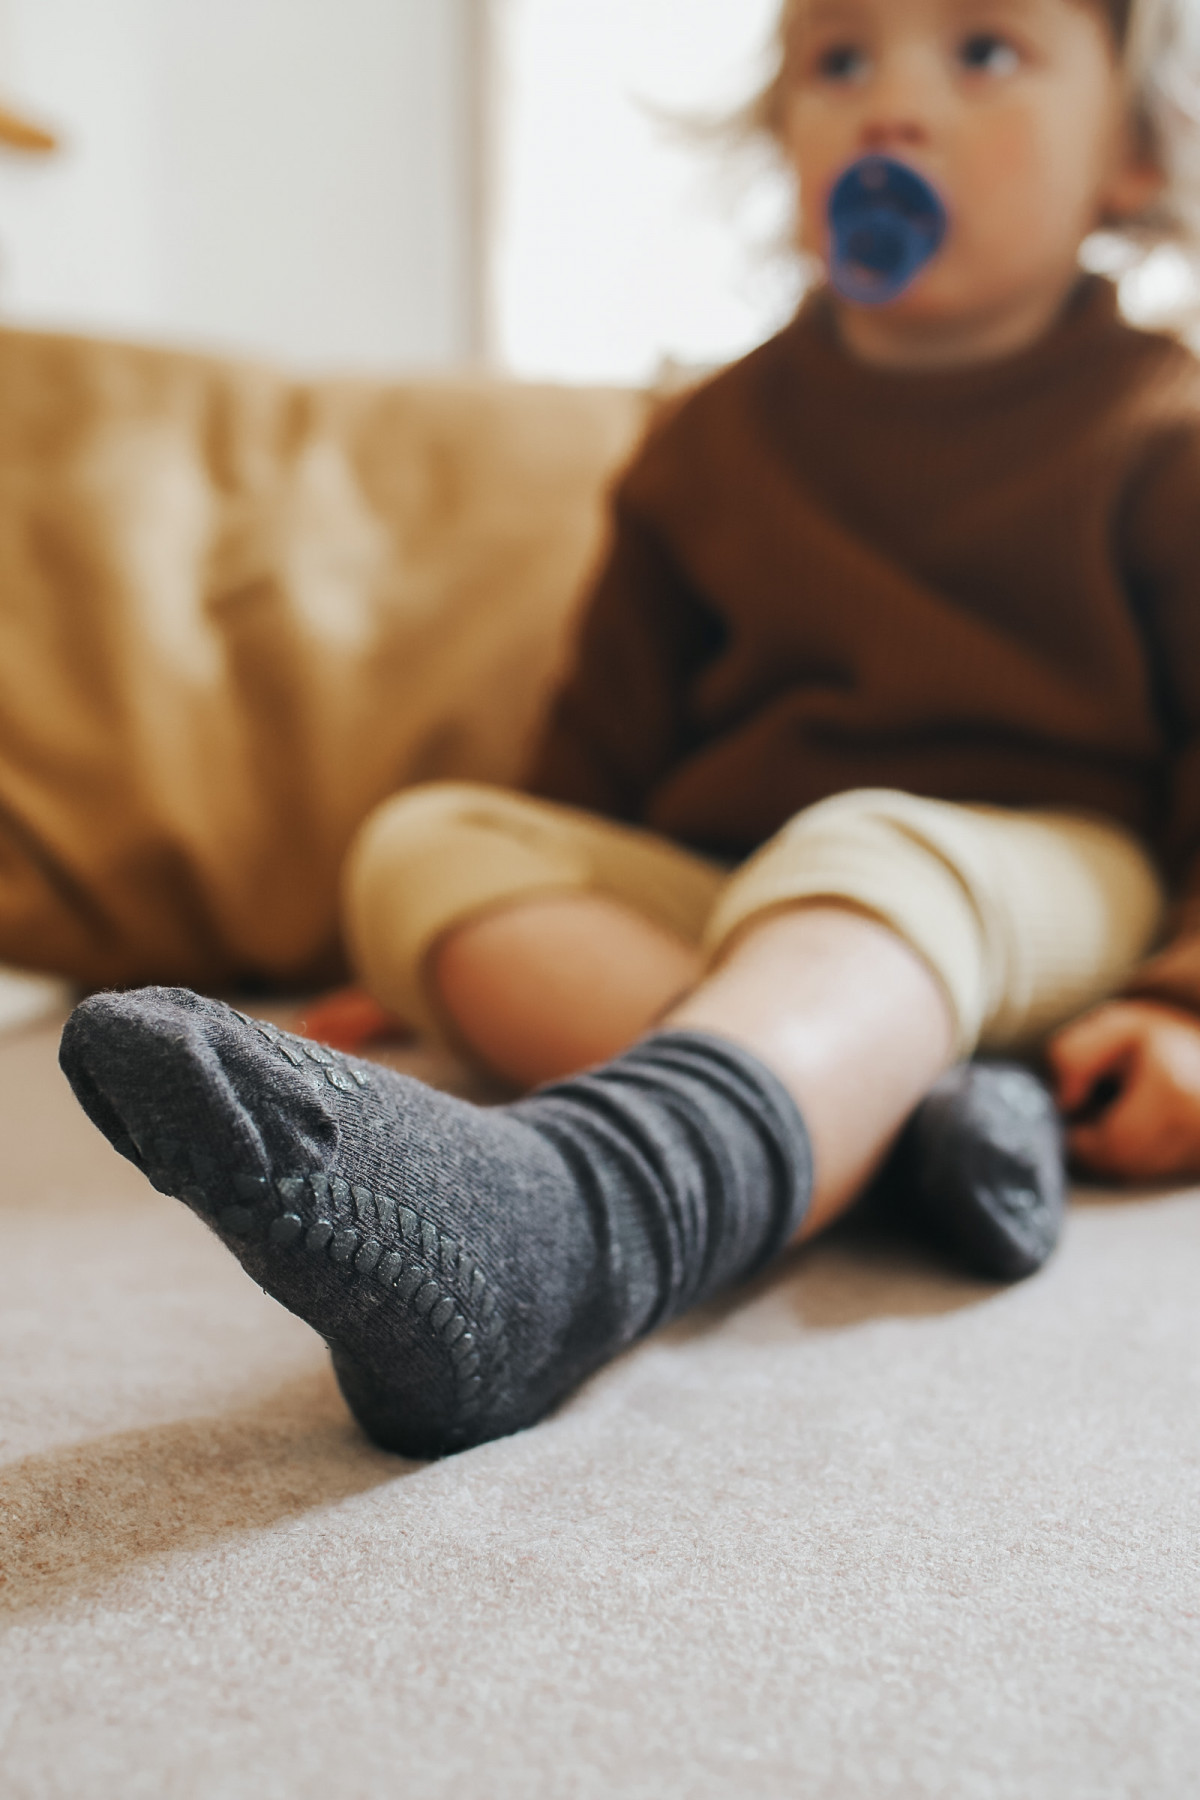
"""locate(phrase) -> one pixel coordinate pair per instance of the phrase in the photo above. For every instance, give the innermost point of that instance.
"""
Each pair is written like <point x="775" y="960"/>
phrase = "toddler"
<point x="881" y="746"/>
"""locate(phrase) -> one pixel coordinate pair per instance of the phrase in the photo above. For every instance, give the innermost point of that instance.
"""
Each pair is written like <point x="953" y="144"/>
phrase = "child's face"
<point x="1016" y="111"/>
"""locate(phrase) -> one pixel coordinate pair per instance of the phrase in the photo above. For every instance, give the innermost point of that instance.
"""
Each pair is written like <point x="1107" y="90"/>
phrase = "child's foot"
<point x="981" y="1163"/>
<point x="467" y="1266"/>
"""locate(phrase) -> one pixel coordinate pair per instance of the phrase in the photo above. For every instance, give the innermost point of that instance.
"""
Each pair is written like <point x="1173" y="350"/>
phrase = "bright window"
<point x="616" y="244"/>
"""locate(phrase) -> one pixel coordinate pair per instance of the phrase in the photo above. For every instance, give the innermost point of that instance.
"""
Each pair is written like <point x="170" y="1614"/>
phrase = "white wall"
<point x="616" y="244"/>
<point x="282" y="176"/>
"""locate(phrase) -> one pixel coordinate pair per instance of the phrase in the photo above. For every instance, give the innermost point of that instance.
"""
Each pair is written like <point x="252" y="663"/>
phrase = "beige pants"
<point x="1025" y="918"/>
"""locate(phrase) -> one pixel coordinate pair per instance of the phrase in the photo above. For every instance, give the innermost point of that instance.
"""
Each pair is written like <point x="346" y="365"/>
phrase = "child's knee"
<point x="406" y="823"/>
<point x="427" y="860"/>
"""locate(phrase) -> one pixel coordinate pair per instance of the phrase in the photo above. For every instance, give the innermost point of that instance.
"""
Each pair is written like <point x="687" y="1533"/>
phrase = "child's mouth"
<point x="886" y="223"/>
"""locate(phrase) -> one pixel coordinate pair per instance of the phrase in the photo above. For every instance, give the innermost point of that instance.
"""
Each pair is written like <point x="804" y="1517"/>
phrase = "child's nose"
<point x="881" y="134"/>
<point x="902" y="103"/>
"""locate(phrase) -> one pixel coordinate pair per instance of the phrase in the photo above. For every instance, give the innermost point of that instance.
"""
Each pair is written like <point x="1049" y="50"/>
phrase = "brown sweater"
<point x="981" y="585"/>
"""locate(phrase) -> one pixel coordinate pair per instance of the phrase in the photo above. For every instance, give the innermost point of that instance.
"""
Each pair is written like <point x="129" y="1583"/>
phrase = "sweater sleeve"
<point x="620" y="722"/>
<point x="1165" y="544"/>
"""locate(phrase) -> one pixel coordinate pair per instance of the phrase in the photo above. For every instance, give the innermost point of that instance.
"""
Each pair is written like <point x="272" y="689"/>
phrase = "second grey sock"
<point x="981" y="1168"/>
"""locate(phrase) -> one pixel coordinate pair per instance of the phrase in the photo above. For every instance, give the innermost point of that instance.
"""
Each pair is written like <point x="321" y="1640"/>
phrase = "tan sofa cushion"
<point x="236" y="611"/>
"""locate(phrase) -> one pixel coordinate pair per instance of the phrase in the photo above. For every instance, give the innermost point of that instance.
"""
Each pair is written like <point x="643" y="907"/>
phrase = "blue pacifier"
<point x="886" y="223"/>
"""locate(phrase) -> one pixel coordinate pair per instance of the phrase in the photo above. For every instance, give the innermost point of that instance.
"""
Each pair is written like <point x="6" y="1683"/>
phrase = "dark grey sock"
<point x="468" y="1266"/>
<point x="981" y="1167"/>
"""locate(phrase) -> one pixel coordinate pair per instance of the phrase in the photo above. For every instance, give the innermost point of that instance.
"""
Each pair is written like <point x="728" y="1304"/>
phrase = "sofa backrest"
<point x="236" y="611"/>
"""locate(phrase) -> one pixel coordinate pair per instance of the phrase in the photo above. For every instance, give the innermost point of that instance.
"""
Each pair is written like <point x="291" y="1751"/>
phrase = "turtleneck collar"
<point x="1089" y="319"/>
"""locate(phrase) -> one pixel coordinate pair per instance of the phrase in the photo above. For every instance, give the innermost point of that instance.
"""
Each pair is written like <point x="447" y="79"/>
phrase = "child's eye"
<point x="843" y="62"/>
<point x="985" y="53"/>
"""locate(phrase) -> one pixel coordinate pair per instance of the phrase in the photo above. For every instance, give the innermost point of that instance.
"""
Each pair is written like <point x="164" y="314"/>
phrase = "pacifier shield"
<point x="886" y="222"/>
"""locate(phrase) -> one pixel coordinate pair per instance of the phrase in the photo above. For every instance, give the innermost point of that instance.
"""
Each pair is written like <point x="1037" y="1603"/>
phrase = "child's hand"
<point x="1149" y="1055"/>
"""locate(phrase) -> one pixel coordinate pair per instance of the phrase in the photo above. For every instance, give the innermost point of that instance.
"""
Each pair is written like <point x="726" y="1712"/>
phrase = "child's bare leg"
<point x="558" y="982"/>
<point x="836" y="1005"/>
<point x="851" y="1021"/>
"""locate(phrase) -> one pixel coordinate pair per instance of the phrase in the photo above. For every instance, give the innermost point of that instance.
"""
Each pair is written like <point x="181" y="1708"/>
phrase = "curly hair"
<point x="1158" y="42"/>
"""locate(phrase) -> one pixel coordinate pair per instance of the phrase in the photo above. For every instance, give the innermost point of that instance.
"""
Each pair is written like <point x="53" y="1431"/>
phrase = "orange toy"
<point x="347" y="1019"/>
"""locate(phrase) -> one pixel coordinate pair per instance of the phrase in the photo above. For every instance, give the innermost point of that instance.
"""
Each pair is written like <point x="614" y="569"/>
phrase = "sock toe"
<point x="165" y="1073"/>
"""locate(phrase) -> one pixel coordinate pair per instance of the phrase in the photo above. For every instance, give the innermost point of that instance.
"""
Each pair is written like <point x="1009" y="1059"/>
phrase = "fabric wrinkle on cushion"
<point x="240" y="609"/>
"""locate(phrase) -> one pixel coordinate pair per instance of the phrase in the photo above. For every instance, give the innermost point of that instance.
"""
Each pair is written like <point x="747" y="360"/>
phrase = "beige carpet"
<point x="871" y="1532"/>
